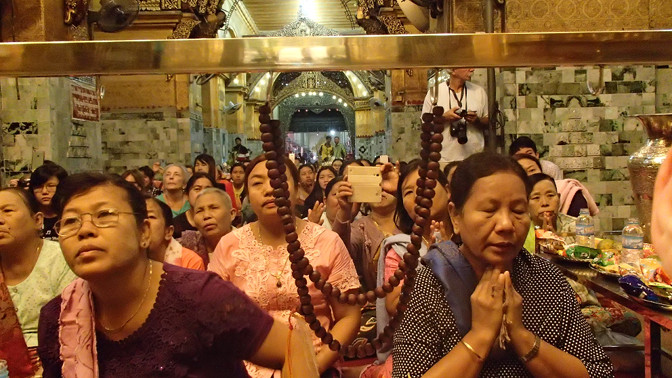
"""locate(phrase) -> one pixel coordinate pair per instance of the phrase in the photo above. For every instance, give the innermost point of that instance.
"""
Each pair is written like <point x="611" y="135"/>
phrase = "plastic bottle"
<point x="585" y="229"/>
<point x="4" y="369"/>
<point x="633" y="242"/>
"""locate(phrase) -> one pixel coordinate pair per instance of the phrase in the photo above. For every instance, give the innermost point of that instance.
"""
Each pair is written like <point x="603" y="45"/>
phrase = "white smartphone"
<point x="384" y="159"/>
<point x="365" y="183"/>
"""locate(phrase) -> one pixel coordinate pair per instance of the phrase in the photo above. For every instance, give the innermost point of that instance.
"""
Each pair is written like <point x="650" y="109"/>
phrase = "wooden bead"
<point x="371" y="296"/>
<point x="437" y="110"/>
<point x="283" y="210"/>
<point x="284" y="185"/>
<point x="296" y="256"/>
<point x="301" y="282"/>
<point x="412" y="249"/>
<point x="435" y="147"/>
<point x="336" y="293"/>
<point x="321" y="332"/>
<point x="327" y="339"/>
<point x="417" y="240"/>
<point x="297" y="275"/>
<point x="274" y="174"/>
<point x="302" y="264"/>
<point x="379" y="292"/>
<point x="427" y="117"/>
<point x="424" y="154"/>
<point x="271" y="155"/>
<point x="264" y="118"/>
<point x="287" y="218"/>
<point x="422" y="172"/>
<point x="327" y="289"/>
<point x="437" y="138"/>
<point x="315" y="325"/>
<point x="439" y="126"/>
<point x="267" y="137"/>
<point x="275" y="123"/>
<point x="428" y="193"/>
<point x="320" y="284"/>
<point x="426" y="202"/>
<point x="419" y="189"/>
<point x="277" y="192"/>
<point x="402" y="265"/>
<point x="409" y="259"/>
<point x="387" y="287"/>
<point x="310" y="318"/>
<point x="398" y="273"/>
<point x="265" y="128"/>
<point x="420" y="221"/>
<point x="289" y="228"/>
<point x="307" y="309"/>
<point x="302" y="291"/>
<point x="275" y="183"/>
<point x="423" y="212"/>
<point x="283" y="177"/>
<point x="282" y="168"/>
<point x="416" y="229"/>
<point x="352" y="299"/>
<point x="315" y="276"/>
<point x="265" y="109"/>
<point x="394" y="281"/>
<point x="270" y="146"/>
<point x="426" y="137"/>
<point x="435" y="156"/>
<point x="426" y="127"/>
<point x="305" y="300"/>
<point x="361" y="299"/>
<point x="430" y="184"/>
<point x="291" y="237"/>
<point x="343" y="298"/>
<point x="335" y="345"/>
<point x="424" y="144"/>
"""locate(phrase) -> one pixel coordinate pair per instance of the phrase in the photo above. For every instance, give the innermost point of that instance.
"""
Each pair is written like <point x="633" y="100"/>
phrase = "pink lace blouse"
<point x="256" y="269"/>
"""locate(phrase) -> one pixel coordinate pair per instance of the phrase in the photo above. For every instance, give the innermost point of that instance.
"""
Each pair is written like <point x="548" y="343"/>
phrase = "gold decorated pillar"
<point x="32" y="20"/>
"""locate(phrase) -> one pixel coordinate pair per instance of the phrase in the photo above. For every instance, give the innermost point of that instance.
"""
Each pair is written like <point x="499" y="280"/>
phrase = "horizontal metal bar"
<point x="334" y="53"/>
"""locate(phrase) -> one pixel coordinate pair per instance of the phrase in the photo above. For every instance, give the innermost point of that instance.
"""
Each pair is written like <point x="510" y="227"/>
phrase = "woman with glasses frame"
<point x="43" y="184"/>
<point x="128" y="315"/>
<point x="32" y="272"/>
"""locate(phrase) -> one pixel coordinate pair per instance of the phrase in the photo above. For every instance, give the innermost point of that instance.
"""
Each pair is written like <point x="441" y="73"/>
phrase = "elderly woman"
<point x="485" y="308"/>
<point x="255" y="259"/>
<point x="162" y="246"/>
<point x="175" y="178"/>
<point x="195" y="185"/>
<point x="127" y="315"/>
<point x="43" y="184"/>
<point x="213" y="214"/>
<point x="32" y="272"/>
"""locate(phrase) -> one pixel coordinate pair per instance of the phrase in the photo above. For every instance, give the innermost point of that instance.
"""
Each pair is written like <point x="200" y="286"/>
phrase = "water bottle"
<point x="4" y="369"/>
<point x="633" y="242"/>
<point x="585" y="229"/>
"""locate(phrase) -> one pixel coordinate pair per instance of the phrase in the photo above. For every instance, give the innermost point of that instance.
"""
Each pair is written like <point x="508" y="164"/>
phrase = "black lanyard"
<point x="463" y="94"/>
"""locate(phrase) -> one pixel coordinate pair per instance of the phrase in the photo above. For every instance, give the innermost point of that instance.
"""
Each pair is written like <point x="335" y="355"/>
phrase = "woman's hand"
<point x="344" y="212"/>
<point x="315" y="214"/>
<point x="514" y="308"/>
<point x="661" y="228"/>
<point x="440" y="227"/>
<point x="487" y="304"/>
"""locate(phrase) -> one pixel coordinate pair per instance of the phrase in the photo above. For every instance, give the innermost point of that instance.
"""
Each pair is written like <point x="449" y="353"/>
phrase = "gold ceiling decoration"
<point x="333" y="14"/>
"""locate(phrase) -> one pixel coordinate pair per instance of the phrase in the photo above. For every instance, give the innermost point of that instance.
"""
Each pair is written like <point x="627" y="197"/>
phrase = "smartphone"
<point x="384" y="159"/>
<point x="292" y="157"/>
<point x="365" y="183"/>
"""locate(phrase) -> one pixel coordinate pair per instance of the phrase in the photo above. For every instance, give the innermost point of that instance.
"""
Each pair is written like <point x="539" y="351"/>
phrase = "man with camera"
<point x="465" y="107"/>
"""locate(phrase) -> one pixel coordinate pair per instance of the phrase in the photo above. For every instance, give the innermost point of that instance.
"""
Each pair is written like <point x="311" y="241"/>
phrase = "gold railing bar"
<point x="335" y="53"/>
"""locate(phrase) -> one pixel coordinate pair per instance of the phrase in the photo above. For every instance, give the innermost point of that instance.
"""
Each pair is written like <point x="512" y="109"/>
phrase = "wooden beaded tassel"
<point x="274" y="149"/>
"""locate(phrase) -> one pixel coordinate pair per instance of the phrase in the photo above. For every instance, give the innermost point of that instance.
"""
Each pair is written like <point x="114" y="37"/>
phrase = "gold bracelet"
<point x="471" y="349"/>
<point x="533" y="352"/>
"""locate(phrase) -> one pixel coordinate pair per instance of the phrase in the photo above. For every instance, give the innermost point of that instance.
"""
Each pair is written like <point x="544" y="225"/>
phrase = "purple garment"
<point x="196" y="242"/>
<point x="200" y="326"/>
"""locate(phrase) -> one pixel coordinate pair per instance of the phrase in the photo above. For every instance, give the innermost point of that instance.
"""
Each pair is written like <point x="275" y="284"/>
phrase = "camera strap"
<point x="463" y="95"/>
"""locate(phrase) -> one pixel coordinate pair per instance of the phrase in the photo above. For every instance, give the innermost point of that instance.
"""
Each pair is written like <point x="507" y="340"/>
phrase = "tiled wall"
<point x="370" y="147"/>
<point x="585" y="126"/>
<point x="404" y="134"/>
<point x="36" y="117"/>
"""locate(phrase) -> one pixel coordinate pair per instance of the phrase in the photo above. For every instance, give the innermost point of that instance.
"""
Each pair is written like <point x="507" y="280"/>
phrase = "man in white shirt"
<point x="456" y="96"/>
<point x="525" y="145"/>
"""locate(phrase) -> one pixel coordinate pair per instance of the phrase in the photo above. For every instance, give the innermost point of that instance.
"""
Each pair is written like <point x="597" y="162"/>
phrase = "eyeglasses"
<point x="104" y="218"/>
<point x="51" y="188"/>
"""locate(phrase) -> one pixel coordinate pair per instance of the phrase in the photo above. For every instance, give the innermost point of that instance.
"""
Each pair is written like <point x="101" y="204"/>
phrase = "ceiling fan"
<point x="114" y="15"/>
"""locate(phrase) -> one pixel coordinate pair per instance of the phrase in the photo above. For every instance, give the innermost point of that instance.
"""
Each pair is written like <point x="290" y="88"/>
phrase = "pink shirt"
<point x="255" y="268"/>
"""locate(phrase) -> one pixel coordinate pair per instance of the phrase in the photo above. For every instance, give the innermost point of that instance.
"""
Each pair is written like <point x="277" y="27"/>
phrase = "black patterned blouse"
<point x="428" y="331"/>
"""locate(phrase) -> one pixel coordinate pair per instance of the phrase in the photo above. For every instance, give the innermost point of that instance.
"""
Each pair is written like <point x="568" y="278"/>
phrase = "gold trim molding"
<point x="334" y="53"/>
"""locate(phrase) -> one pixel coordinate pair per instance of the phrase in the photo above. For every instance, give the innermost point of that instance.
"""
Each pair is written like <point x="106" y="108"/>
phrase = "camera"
<point x="461" y="113"/>
<point x="458" y="129"/>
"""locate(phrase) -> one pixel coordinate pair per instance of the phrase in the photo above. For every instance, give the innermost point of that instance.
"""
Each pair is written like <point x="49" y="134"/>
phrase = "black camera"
<point x="461" y="113"/>
<point x="458" y="129"/>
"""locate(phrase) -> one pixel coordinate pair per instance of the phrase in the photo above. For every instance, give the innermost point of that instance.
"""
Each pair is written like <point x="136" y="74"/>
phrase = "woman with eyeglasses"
<point x="43" y="184"/>
<point x="32" y="272"/>
<point x="127" y="315"/>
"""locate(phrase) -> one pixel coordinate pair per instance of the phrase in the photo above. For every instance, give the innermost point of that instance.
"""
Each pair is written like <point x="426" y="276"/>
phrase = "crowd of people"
<point x="163" y="272"/>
